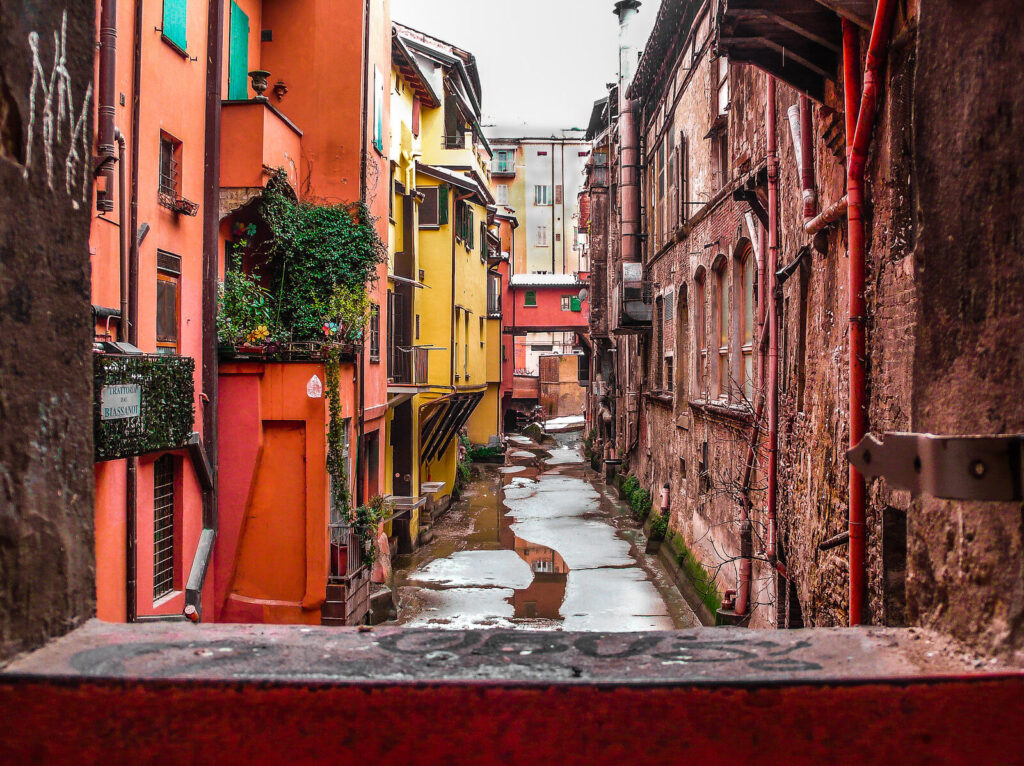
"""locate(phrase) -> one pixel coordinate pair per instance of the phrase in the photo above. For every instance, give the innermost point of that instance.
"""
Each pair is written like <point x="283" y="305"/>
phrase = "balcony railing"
<point x="409" y="366"/>
<point x="503" y="167"/>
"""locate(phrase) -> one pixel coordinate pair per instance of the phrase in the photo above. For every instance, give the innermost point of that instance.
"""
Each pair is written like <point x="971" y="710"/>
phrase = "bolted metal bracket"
<point x="950" y="467"/>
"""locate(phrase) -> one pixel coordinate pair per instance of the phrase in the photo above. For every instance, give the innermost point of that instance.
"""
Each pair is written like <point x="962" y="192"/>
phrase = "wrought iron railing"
<point x="409" y="365"/>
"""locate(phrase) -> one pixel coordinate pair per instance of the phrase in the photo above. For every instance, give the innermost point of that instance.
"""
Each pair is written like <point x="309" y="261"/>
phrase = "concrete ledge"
<point x="181" y="693"/>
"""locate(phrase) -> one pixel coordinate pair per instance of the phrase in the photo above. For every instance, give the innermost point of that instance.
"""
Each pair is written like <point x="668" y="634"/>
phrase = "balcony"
<point x="409" y="366"/>
<point x="503" y="167"/>
<point x="256" y="136"/>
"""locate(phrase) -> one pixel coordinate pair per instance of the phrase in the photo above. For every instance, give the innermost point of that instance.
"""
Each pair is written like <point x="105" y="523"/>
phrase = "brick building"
<point x="719" y="178"/>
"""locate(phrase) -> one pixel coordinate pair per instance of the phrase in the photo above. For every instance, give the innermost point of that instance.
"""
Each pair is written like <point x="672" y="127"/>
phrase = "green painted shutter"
<point x="574" y="304"/>
<point x="238" y="55"/>
<point x="442" y="205"/>
<point x="469" y="226"/>
<point x="175" y="13"/>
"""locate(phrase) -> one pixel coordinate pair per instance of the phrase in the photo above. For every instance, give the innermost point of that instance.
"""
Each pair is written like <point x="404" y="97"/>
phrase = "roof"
<point x="454" y="178"/>
<point x="515" y="132"/>
<point x="411" y="70"/>
<point x="668" y="34"/>
<point x="545" y="280"/>
<point x="598" y="118"/>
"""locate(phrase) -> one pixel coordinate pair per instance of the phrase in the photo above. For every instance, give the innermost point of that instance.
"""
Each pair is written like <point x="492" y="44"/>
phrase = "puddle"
<point x="530" y="548"/>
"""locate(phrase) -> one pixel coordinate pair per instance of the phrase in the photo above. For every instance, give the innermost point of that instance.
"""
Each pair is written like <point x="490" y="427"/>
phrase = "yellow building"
<point x="443" y="343"/>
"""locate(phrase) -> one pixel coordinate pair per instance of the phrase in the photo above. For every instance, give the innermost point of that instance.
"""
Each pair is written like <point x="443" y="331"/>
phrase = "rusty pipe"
<point x="830" y="215"/>
<point x="810" y="196"/>
<point x="629" y="181"/>
<point x="107" y="85"/>
<point x="856" y="162"/>
<point x="773" y="318"/>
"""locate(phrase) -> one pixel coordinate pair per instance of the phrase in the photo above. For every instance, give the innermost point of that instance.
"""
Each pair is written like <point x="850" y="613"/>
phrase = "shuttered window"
<point x="238" y="55"/>
<point x="163" y="526"/>
<point x="175" y="14"/>
<point x="429" y="206"/>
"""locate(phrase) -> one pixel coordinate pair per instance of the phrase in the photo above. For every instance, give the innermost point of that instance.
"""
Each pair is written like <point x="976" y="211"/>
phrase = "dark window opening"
<point x="894" y="565"/>
<point x="170" y="166"/>
<point x="374" y="333"/>
<point x="429" y="206"/>
<point x="168" y="306"/>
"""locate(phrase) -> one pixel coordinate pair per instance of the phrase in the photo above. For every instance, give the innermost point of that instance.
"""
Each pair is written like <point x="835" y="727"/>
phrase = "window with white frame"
<point x="721" y="317"/>
<point x="723" y="84"/>
<point x="541" y="195"/>
<point x="501" y="194"/>
<point x="542" y="236"/>
<point x="745" y="313"/>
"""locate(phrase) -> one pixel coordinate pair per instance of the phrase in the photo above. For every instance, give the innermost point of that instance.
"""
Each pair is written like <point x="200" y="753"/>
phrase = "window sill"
<point x="662" y="398"/>
<point x="374" y="359"/>
<point x="175" y="47"/>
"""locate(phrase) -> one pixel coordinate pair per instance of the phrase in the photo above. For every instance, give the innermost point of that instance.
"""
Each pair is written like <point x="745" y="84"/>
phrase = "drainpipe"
<point x="106" y="112"/>
<point x="809" y="195"/>
<point x="629" y="188"/>
<point x="856" y="160"/>
<point x="122" y="231"/>
<point x="773" y="319"/>
<point x="132" y="478"/>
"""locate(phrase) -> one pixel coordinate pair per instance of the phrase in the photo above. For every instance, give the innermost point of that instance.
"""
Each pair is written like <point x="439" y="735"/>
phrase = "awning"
<point x="441" y="420"/>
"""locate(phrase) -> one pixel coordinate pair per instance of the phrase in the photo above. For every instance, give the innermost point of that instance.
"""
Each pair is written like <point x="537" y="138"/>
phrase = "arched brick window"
<point x="722" y="372"/>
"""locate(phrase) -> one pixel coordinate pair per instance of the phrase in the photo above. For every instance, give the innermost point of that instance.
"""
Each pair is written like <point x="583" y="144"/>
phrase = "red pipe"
<point x="810" y="197"/>
<point x="826" y="217"/>
<point x="629" y="183"/>
<point x="773" y="318"/>
<point x="858" y="136"/>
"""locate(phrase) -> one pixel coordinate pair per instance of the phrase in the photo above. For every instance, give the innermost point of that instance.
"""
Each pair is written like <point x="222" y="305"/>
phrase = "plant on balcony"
<point x="366" y="523"/>
<point x="244" y="317"/>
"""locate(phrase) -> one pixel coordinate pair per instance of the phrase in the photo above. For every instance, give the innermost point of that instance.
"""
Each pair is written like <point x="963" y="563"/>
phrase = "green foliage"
<point x="629" y="486"/>
<point x="244" y="315"/>
<point x="702" y="580"/>
<point x="365" y="522"/>
<point x="659" y="526"/>
<point x="475" y="454"/>
<point x="640" y="503"/>
<point x="337" y="468"/>
<point x="167" y="411"/>
<point x="464" y="471"/>
<point x="314" y="250"/>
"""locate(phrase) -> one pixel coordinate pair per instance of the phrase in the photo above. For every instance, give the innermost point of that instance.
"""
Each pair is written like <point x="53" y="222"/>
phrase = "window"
<point x="659" y="337"/>
<point x="700" y="326"/>
<point x="723" y="84"/>
<point x="721" y="305"/>
<point x="660" y="202"/>
<point x="684" y="179"/>
<point x="481" y="333"/>
<point x="170" y="168"/>
<point x="501" y="194"/>
<point x="430" y="206"/>
<point x="164" y="511"/>
<point x="378" y="110"/>
<point x="558" y="194"/>
<point x="542" y="347"/>
<point x="566" y="302"/>
<point x="542" y="236"/>
<point x="374" y="333"/>
<point x="417" y="327"/>
<point x="682" y="349"/>
<point x="530" y="298"/>
<point x="720" y="152"/>
<point x="391" y="192"/>
<point x="464" y="223"/>
<point x="745" y="314"/>
<point x="541" y="195"/>
<point x="669" y="374"/>
<point x="238" y="54"/>
<point x="168" y="275"/>
<point x="175" y="16"/>
<point x="504" y="161"/>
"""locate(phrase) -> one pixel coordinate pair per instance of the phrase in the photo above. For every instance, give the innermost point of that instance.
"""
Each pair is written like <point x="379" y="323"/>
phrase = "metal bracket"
<point x="951" y="467"/>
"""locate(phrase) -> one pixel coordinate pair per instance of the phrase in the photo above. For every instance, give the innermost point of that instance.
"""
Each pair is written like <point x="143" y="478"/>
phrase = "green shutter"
<point x="238" y="55"/>
<point x="442" y="205"/>
<point x="574" y="304"/>
<point x="469" y="226"/>
<point x="175" y="13"/>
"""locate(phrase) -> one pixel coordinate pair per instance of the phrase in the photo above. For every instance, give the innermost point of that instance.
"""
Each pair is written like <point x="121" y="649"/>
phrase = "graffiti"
<point x="52" y="105"/>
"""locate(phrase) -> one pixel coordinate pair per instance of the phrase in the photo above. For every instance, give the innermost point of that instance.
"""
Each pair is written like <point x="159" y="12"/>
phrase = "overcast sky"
<point x="542" y="63"/>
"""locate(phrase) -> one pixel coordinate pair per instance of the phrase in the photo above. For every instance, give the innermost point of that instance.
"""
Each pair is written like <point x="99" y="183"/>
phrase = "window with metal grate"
<point x="163" y="526"/>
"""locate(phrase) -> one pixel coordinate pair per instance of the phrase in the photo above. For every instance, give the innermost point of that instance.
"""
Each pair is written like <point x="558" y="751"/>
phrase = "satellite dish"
<point x="583" y="294"/>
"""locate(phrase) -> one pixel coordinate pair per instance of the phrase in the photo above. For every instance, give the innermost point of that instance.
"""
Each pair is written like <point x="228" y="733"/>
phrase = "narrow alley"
<point x="539" y="543"/>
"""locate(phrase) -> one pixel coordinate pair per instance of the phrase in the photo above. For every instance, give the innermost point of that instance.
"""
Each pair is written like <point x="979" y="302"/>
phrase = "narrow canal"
<point x="539" y="543"/>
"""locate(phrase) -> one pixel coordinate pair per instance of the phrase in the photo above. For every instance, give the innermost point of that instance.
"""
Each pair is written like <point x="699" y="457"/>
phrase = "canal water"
<point x="539" y="543"/>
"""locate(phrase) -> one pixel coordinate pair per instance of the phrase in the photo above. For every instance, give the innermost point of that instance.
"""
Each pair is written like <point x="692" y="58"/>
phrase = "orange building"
<point x="150" y="277"/>
<point x="234" y="515"/>
<point x="316" y="127"/>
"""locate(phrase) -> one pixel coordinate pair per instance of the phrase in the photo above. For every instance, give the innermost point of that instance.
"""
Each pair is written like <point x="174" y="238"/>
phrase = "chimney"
<point x="626" y="10"/>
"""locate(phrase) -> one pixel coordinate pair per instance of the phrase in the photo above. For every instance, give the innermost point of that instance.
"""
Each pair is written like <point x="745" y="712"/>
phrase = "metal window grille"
<point x="163" y="526"/>
<point x="168" y="167"/>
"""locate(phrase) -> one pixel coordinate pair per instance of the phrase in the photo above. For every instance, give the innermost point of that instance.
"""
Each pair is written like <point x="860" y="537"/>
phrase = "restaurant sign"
<point x="124" y="401"/>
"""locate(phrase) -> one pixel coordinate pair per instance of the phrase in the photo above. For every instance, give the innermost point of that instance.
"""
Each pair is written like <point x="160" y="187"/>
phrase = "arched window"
<point x="747" y="266"/>
<point x="720" y="307"/>
<point x="682" y="371"/>
<point x="700" y="328"/>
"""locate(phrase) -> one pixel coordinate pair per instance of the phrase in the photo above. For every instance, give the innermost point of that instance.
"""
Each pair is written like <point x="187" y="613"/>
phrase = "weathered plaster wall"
<point x="46" y="518"/>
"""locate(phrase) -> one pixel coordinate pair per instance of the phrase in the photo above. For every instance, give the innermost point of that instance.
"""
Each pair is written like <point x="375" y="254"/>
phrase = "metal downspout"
<point x="856" y="161"/>
<point x="773" y="321"/>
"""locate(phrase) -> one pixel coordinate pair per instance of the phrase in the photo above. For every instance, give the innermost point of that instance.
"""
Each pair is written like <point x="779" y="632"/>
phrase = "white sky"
<point x="542" y="63"/>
